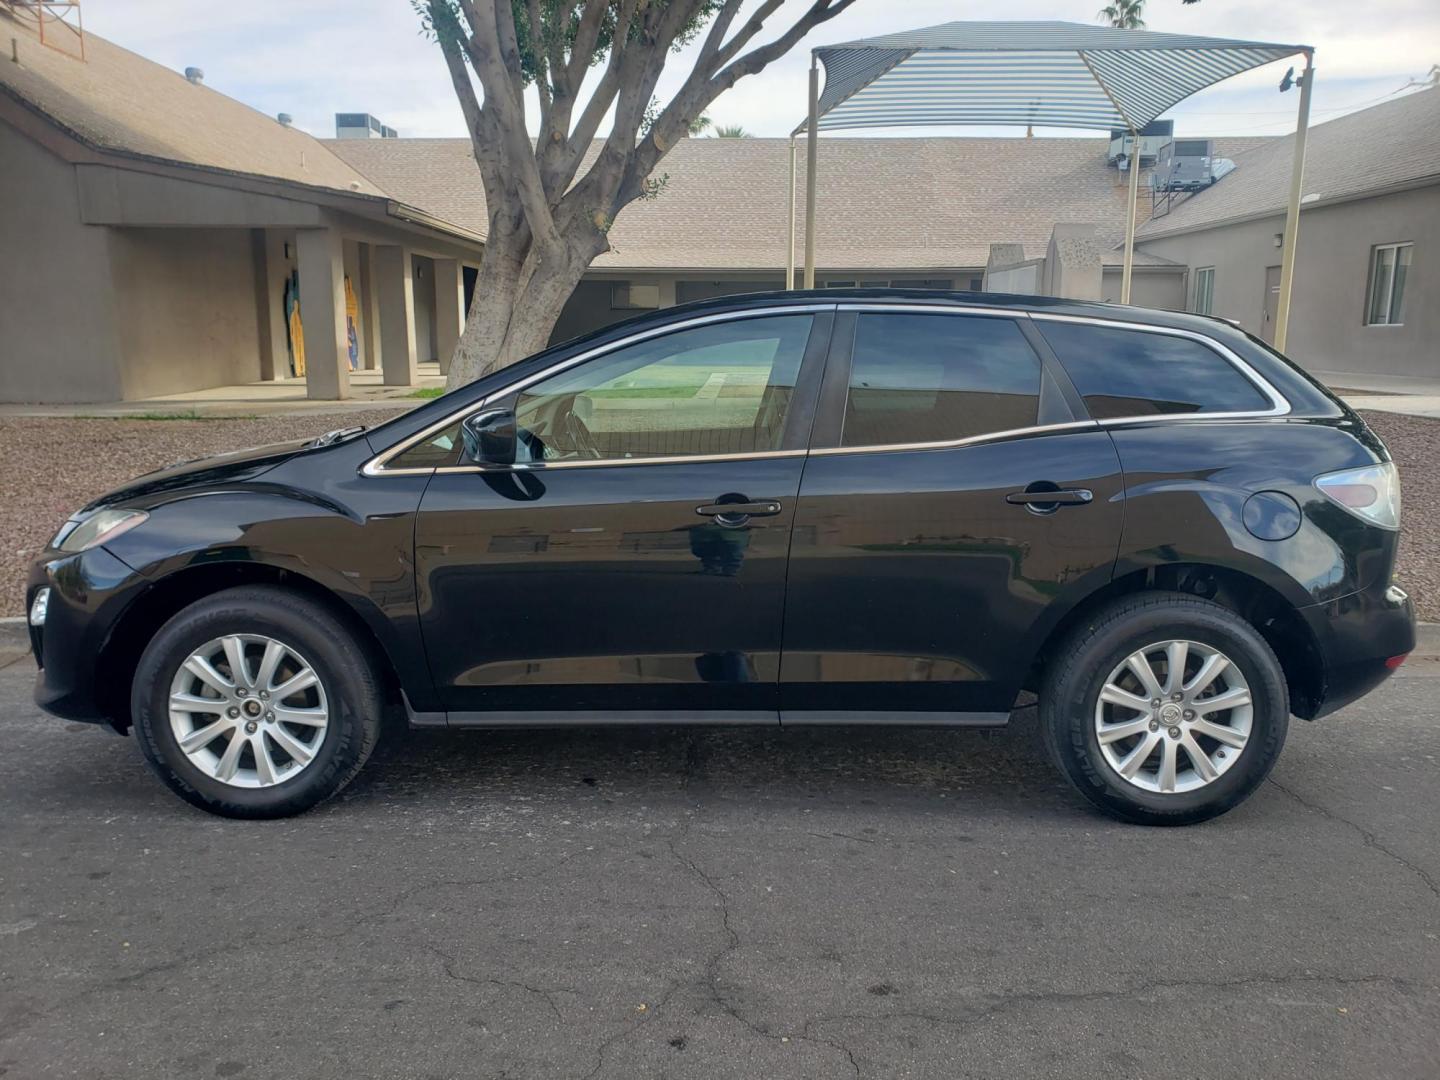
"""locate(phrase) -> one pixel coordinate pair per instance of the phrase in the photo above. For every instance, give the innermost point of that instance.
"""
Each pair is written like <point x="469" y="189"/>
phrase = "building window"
<point x="1389" y="266"/>
<point x="625" y="296"/>
<point x="1204" y="290"/>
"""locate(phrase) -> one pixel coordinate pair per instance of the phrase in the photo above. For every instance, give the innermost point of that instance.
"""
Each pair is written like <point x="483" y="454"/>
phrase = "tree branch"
<point x="699" y="90"/>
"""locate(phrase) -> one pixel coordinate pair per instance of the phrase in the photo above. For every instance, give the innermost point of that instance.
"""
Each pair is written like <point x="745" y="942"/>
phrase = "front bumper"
<point x="89" y="591"/>
<point x="1359" y="637"/>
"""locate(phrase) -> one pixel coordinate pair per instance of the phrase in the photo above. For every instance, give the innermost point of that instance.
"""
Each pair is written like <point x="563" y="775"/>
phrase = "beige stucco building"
<point x="150" y="227"/>
<point x="155" y="235"/>
<point x="1366" y="306"/>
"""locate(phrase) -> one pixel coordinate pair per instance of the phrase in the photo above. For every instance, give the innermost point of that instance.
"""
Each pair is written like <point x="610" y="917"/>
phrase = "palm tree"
<point x="1124" y="14"/>
<point x="731" y="131"/>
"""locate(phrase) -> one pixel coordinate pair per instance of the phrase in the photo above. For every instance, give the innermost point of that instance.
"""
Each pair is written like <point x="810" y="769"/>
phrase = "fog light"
<point x="1395" y="661"/>
<point x="39" y="606"/>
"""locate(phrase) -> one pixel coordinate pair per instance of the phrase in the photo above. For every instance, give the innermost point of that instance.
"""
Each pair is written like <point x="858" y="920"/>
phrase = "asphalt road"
<point x="722" y="904"/>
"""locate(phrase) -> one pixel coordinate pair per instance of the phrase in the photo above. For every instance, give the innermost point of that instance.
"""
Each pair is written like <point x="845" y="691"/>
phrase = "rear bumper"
<point x="88" y="593"/>
<point x="1359" y="636"/>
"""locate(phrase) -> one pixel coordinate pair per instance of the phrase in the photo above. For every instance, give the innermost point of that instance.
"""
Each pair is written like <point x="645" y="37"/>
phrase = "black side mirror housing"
<point x="489" y="437"/>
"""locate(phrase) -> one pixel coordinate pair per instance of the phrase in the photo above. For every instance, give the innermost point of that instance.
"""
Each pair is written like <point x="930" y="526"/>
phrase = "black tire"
<point x="344" y="668"/>
<point x="1079" y="669"/>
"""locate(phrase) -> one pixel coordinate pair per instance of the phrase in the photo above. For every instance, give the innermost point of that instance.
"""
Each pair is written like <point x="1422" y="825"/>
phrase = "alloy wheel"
<point x="248" y="710"/>
<point x="1174" y="716"/>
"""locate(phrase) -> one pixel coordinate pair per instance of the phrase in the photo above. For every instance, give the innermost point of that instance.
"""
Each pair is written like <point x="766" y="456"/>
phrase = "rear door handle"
<point x="764" y="508"/>
<point x="1048" y="497"/>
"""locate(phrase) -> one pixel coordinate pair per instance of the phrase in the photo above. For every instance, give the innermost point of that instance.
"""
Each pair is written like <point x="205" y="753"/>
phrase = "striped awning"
<point x="1050" y="74"/>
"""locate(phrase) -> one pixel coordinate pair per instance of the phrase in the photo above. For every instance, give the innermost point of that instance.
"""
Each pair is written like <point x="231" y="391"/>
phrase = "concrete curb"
<point x="15" y="634"/>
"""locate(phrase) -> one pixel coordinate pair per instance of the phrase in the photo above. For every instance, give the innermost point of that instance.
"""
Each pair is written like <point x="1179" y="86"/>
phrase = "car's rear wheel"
<point x="1165" y="709"/>
<point x="255" y="702"/>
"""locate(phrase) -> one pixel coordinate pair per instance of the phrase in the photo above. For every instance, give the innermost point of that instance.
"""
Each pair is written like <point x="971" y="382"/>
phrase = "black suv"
<point x="859" y="507"/>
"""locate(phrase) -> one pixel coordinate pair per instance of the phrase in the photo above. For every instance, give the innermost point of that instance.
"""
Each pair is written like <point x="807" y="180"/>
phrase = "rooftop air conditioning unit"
<point x="1189" y="165"/>
<point x="1153" y="136"/>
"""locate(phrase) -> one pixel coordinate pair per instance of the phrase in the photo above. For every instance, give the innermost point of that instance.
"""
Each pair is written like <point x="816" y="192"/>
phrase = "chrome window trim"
<point x="1279" y="404"/>
<point x="933" y="309"/>
<point x="376" y="465"/>
<point x="674" y="459"/>
<point x="970" y="440"/>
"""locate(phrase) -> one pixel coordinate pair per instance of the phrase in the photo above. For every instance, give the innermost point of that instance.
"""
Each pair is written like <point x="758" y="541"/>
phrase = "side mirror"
<point x="490" y="436"/>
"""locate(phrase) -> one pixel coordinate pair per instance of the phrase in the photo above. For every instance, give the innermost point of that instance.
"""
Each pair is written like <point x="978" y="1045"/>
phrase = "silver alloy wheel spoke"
<point x="1219" y="732"/>
<point x="1142" y="670"/>
<point x="1174" y="716"/>
<point x="1110" y="732"/>
<point x="201" y="736"/>
<point x="258" y="727"/>
<point x="1175" y="655"/>
<point x="203" y="670"/>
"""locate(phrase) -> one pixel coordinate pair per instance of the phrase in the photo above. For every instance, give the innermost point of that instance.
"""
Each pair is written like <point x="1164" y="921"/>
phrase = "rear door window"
<point x="938" y="378"/>
<point x="1136" y="373"/>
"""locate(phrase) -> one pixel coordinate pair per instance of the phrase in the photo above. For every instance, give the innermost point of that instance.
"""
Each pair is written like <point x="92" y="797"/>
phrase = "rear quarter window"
<point x="1136" y="373"/>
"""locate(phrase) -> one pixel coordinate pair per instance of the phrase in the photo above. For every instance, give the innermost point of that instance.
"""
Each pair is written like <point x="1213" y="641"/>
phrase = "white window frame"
<point x="1207" y="274"/>
<point x="1374" y="282"/>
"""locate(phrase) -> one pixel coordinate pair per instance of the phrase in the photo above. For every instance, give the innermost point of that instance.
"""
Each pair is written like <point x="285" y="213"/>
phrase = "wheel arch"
<point x="120" y="655"/>
<point x="1259" y="604"/>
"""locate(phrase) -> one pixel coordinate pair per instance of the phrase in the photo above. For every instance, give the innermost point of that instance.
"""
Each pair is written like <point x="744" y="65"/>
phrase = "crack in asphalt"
<point x="712" y="969"/>
<point x="1371" y="840"/>
<point x="449" y="963"/>
<point x="1000" y="1003"/>
<point x="387" y="911"/>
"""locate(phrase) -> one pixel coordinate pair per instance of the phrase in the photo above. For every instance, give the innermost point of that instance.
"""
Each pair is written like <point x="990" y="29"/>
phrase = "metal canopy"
<point x="1049" y="74"/>
<point x="1052" y="74"/>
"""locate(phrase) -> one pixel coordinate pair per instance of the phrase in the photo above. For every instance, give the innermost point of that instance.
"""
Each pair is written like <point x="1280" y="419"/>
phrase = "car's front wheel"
<point x="1165" y="709"/>
<point x="255" y="702"/>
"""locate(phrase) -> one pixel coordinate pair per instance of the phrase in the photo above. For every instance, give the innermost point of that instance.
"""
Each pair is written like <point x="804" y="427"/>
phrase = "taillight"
<point x="1371" y="492"/>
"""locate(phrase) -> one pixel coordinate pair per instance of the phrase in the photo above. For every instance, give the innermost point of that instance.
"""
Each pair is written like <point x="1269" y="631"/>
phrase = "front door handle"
<point x="734" y="514"/>
<point x="1044" y="497"/>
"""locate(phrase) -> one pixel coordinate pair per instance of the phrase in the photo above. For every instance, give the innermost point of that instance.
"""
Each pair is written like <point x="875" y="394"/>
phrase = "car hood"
<point x="205" y="472"/>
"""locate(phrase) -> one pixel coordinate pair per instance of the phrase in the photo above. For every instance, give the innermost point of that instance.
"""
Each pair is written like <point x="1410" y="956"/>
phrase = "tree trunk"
<point x="517" y="302"/>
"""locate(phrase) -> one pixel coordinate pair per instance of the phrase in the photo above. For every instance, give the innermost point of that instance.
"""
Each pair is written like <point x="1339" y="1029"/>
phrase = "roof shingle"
<point x="117" y="101"/>
<point x="1379" y="147"/>
<point x="901" y="204"/>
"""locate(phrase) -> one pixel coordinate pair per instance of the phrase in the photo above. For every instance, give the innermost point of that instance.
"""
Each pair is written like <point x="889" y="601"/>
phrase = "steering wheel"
<point x="581" y="439"/>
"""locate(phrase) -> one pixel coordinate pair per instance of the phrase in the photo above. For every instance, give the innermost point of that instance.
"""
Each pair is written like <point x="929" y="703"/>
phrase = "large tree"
<point x="548" y="219"/>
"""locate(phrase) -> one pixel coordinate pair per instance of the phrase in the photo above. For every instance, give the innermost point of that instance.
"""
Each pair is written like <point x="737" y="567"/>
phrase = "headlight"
<point x="83" y="533"/>
<point x="1371" y="492"/>
<point x="40" y="606"/>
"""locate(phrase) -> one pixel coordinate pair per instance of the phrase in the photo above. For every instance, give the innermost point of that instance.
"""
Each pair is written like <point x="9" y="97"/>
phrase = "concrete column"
<point x="271" y="271"/>
<point x="369" y="311"/>
<point x="449" y="310"/>
<point x="396" y="286"/>
<point x="265" y="312"/>
<point x="351" y="249"/>
<point x="322" y="310"/>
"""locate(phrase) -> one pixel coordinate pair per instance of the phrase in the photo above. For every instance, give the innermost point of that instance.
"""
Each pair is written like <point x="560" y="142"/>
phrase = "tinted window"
<point x="442" y="448"/>
<point x="1134" y="373"/>
<point x="718" y="389"/>
<point x="933" y="378"/>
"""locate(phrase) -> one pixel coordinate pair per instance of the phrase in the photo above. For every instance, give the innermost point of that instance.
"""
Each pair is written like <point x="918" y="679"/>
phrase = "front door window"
<point x="720" y="389"/>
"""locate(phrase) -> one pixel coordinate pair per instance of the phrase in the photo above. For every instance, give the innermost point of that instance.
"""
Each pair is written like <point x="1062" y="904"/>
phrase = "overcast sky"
<point x="315" y="58"/>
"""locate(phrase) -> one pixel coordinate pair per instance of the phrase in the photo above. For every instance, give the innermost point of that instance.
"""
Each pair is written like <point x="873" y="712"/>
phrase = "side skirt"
<point x="702" y="718"/>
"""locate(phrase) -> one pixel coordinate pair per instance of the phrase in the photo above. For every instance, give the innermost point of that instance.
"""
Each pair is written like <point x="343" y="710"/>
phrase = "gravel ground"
<point x="53" y="480"/>
<point x="1414" y="443"/>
